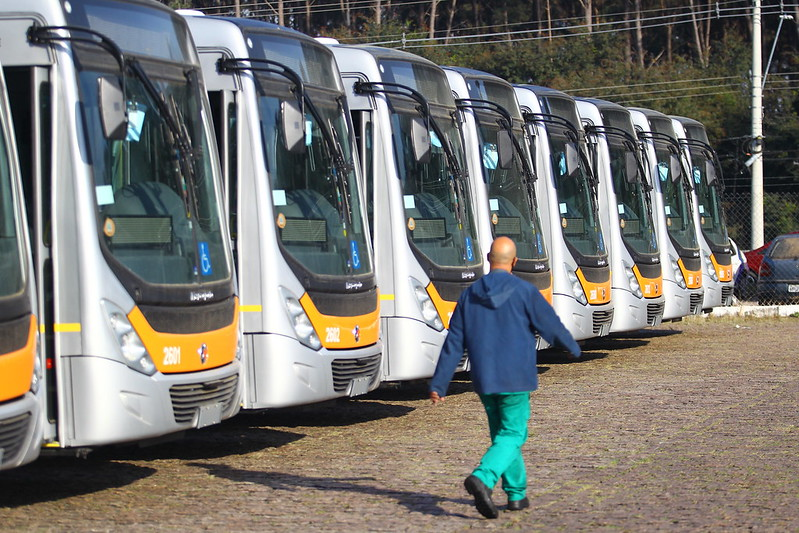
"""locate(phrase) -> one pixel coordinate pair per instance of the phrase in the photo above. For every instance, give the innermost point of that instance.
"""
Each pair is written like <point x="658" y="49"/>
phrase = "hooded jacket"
<point x="495" y="322"/>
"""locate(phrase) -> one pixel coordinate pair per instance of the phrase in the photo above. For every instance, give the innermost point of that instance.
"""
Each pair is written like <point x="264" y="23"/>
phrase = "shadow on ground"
<point x="54" y="478"/>
<point x="418" y="502"/>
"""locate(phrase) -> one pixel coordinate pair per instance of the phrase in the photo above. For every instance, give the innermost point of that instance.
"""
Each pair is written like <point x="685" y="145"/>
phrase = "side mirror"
<point x="631" y="167"/>
<point x="572" y="159"/>
<point x="293" y="123"/>
<point x="505" y="149"/>
<point x="113" y="111"/>
<point x="676" y="167"/>
<point x="420" y="138"/>
<point x="710" y="171"/>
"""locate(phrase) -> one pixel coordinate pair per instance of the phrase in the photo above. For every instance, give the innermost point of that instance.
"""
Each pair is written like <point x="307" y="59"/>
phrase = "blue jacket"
<point x="495" y="321"/>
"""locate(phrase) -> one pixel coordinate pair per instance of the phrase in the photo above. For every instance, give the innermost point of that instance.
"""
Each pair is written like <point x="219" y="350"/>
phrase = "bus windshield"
<point x="315" y="192"/>
<point x="510" y="198"/>
<point x="12" y="281"/>
<point x="436" y="196"/>
<point x="514" y="212"/>
<point x="575" y="191"/>
<point x="158" y="205"/>
<point x="711" y="212"/>
<point x="676" y="194"/>
<point x="317" y="203"/>
<point x="633" y="203"/>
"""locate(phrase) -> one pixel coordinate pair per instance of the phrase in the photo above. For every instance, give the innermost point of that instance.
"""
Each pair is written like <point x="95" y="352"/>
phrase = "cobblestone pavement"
<point x="691" y="426"/>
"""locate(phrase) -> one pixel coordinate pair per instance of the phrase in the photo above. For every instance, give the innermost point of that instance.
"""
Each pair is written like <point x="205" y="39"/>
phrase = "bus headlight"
<point x="130" y="344"/>
<point x="36" y="379"/>
<point x="635" y="287"/>
<point x="678" y="277"/>
<point x="299" y="320"/>
<point x="711" y="270"/>
<point x="426" y="306"/>
<point x="577" y="287"/>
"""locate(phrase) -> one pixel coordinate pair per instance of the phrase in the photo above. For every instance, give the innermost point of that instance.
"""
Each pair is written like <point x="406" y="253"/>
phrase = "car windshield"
<point x="787" y="248"/>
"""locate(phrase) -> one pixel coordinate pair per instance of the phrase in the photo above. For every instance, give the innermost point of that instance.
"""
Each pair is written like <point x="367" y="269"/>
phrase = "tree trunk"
<point x="433" y="4"/>
<point x="452" y="6"/>
<point x="345" y="8"/>
<point x="639" y="35"/>
<point x="697" y="37"/>
<point x="308" y="16"/>
<point x="280" y="18"/>
<point x="588" y="7"/>
<point x="378" y="12"/>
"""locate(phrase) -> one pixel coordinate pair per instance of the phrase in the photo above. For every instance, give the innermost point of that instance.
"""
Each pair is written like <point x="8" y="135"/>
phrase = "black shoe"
<point x="482" y="497"/>
<point x="518" y="505"/>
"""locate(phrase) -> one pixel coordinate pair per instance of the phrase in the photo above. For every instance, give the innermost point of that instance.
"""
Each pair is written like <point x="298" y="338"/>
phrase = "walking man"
<point x="495" y="321"/>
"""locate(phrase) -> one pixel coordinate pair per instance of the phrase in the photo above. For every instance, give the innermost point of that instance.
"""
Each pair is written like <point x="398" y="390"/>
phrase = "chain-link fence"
<point x="766" y="282"/>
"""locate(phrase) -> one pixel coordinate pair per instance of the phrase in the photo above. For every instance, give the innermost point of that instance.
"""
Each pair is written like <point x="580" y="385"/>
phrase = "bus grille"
<point x="602" y="320"/>
<point x="726" y="295"/>
<point x="696" y="303"/>
<point x="12" y="434"/>
<point x="188" y="398"/>
<point x="345" y="370"/>
<point x="654" y="313"/>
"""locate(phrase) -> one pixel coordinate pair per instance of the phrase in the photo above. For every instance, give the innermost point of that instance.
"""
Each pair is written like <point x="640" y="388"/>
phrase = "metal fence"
<point x="780" y="216"/>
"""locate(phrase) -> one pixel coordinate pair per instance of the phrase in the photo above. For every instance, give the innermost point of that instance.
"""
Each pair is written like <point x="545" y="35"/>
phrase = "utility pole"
<point x="757" y="129"/>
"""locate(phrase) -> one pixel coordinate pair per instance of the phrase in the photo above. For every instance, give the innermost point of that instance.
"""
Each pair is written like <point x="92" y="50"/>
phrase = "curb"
<point x="750" y="311"/>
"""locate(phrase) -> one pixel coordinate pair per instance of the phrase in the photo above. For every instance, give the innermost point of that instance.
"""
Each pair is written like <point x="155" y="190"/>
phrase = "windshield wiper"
<point x="457" y="175"/>
<point x="341" y="167"/>
<point x="506" y="123"/>
<point x="177" y="134"/>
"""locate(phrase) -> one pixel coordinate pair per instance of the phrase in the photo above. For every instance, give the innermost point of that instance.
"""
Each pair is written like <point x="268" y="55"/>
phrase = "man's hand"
<point x="435" y="398"/>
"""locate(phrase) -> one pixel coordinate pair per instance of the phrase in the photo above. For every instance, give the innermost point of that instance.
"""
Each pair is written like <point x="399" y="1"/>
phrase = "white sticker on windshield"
<point x="410" y="202"/>
<point x="136" y="114"/>
<point x="563" y="208"/>
<point x="668" y="211"/>
<point x="621" y="209"/>
<point x="308" y="132"/>
<point x="493" y="204"/>
<point x="434" y="140"/>
<point x="701" y="209"/>
<point x="105" y="194"/>
<point x="279" y="197"/>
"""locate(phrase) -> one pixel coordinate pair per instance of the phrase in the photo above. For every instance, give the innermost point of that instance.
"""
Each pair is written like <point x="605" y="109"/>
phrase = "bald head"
<point x="502" y="254"/>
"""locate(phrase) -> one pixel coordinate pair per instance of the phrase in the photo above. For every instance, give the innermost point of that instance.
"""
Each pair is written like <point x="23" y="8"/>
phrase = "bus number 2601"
<point x="171" y="355"/>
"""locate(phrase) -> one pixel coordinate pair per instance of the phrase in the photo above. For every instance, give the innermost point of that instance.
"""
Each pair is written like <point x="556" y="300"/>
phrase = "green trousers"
<point x="508" y="415"/>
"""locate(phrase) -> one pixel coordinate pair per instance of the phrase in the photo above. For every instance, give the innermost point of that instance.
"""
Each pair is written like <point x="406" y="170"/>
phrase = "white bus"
<point x="418" y="200"/>
<point x="21" y="393"/>
<point x="135" y="285"/>
<point x="568" y="191"/>
<point x="708" y="189"/>
<point x="673" y="209"/>
<point x="310" y="312"/>
<point x="637" y="278"/>
<point x="501" y="171"/>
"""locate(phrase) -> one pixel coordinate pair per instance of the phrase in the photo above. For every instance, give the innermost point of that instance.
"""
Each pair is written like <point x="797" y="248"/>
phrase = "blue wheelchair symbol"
<point x="205" y="259"/>
<point x="469" y="250"/>
<point x="356" y="258"/>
